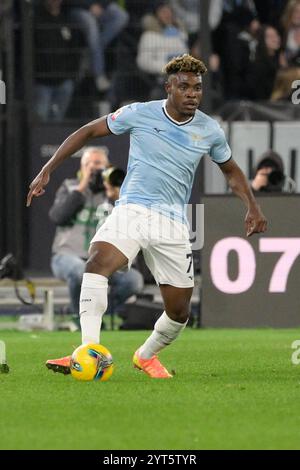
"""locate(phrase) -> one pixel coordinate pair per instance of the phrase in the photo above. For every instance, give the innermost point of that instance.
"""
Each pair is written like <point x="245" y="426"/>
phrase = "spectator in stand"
<point x="291" y="24"/>
<point x="189" y="13"/>
<point x="267" y="62"/>
<point x="56" y="67"/>
<point x="231" y="7"/>
<point x="163" y="39"/>
<point x="127" y="84"/>
<point x="270" y="12"/>
<point x="230" y="24"/>
<point x="242" y="55"/>
<point x="101" y="22"/>
<point x="225" y="42"/>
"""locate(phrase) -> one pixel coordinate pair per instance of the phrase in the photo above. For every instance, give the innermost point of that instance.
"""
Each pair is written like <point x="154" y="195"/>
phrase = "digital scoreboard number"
<point x="251" y="282"/>
<point x="289" y="248"/>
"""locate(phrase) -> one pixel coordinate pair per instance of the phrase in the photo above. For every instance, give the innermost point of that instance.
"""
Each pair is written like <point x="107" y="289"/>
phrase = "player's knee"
<point x="97" y="264"/>
<point x="179" y="313"/>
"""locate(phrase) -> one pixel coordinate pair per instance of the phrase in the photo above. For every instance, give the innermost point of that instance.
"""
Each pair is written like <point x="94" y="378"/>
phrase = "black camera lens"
<point x="9" y="268"/>
<point x="96" y="182"/>
<point x="276" y="178"/>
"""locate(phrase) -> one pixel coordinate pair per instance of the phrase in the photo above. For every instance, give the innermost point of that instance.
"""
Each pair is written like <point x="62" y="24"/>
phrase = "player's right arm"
<point x="72" y="144"/>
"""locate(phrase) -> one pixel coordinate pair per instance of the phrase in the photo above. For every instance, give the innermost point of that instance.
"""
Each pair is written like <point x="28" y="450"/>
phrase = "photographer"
<point x="74" y="213"/>
<point x="270" y="175"/>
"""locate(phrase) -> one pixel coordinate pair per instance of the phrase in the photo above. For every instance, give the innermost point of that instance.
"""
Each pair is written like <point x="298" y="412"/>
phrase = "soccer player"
<point x="167" y="140"/>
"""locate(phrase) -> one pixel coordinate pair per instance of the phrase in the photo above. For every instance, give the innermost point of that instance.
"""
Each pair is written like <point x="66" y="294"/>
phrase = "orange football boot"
<point x="62" y="365"/>
<point x="152" y="367"/>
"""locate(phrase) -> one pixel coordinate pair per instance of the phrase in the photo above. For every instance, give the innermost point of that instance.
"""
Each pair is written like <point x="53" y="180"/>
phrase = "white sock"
<point x="165" y="332"/>
<point x="92" y="306"/>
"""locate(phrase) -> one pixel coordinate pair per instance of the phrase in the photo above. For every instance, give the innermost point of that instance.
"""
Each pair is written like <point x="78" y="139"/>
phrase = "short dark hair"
<point x="270" y="159"/>
<point x="185" y="63"/>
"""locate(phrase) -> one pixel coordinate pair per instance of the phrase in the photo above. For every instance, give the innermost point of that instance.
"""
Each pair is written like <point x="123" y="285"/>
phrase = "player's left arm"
<point x="255" y="221"/>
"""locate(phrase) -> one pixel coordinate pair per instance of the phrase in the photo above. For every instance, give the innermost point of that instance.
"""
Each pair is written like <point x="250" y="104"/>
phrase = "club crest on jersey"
<point x="196" y="138"/>
<point x="117" y="113"/>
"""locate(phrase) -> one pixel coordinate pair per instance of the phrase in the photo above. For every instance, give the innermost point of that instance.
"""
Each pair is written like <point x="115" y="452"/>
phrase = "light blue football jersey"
<point x="164" y="155"/>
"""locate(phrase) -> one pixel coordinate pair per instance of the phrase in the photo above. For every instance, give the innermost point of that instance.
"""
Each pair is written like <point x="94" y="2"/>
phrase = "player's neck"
<point x="176" y="115"/>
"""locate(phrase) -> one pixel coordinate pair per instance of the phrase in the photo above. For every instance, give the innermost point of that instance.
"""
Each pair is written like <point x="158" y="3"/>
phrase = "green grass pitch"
<point x="233" y="389"/>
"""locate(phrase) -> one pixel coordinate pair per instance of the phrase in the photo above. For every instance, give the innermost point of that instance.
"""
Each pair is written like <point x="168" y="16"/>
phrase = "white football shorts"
<point x="165" y="242"/>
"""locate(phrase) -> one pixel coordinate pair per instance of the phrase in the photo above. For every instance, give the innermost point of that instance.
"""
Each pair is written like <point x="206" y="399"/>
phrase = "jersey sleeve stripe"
<point x="222" y="163"/>
<point x="108" y="126"/>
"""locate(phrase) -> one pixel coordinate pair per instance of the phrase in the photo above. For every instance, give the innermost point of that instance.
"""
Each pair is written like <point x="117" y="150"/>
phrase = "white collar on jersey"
<point x="179" y="123"/>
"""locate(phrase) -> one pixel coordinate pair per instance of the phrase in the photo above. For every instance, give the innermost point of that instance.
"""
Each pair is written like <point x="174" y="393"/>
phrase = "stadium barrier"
<point x="43" y="297"/>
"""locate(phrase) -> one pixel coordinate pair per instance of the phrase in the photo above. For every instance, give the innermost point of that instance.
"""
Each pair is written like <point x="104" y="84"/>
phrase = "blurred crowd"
<point x="113" y="52"/>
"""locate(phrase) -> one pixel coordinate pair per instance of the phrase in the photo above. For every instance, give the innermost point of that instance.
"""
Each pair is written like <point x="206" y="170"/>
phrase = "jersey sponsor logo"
<point x="159" y="130"/>
<point x="117" y="113"/>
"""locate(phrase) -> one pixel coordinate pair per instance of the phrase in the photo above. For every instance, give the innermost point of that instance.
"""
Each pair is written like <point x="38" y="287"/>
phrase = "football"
<point x="92" y="362"/>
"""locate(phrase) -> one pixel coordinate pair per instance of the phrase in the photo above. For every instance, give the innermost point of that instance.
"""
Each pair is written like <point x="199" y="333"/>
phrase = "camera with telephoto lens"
<point x="276" y="180"/>
<point x="96" y="182"/>
<point x="10" y="268"/>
